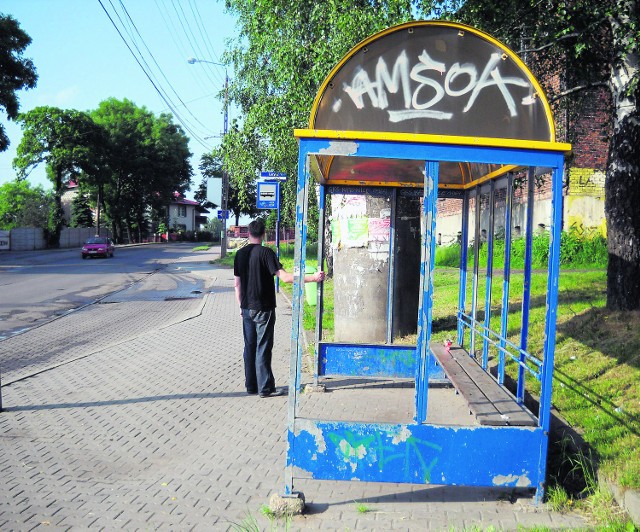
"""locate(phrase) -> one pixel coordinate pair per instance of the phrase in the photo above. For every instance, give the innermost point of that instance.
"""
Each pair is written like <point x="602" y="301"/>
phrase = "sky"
<point x="81" y="60"/>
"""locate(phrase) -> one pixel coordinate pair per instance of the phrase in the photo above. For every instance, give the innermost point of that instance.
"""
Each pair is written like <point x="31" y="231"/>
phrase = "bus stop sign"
<point x="268" y="196"/>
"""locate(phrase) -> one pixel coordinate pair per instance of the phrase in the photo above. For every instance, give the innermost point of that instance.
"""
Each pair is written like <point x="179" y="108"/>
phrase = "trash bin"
<point x="311" y="289"/>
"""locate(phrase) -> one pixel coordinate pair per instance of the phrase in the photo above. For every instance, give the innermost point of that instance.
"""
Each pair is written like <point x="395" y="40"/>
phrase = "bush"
<point x="576" y="251"/>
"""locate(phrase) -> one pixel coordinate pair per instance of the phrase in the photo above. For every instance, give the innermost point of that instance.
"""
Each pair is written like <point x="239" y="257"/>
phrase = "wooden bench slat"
<point x="482" y="408"/>
<point x="504" y="402"/>
<point x="490" y="402"/>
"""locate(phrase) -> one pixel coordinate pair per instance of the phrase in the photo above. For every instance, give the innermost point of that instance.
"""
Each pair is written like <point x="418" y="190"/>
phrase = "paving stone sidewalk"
<point x="156" y="433"/>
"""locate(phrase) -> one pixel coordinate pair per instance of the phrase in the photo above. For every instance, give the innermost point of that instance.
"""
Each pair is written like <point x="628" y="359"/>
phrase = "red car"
<point x="98" y="246"/>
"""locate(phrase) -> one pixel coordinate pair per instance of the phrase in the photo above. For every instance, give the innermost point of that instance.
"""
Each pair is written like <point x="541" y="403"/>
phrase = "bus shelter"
<point x="414" y="114"/>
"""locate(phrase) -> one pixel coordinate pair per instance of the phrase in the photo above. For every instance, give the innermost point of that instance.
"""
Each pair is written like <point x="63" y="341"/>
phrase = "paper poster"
<point x="355" y="232"/>
<point x="349" y="205"/>
<point x="336" y="233"/>
<point x="379" y="229"/>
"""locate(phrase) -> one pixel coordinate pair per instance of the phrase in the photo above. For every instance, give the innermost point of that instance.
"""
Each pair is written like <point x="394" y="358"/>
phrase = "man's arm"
<point x="238" y="293"/>
<point x="287" y="277"/>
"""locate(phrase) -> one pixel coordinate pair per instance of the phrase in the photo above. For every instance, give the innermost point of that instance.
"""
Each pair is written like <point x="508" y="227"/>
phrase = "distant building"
<point x="587" y="126"/>
<point x="186" y="215"/>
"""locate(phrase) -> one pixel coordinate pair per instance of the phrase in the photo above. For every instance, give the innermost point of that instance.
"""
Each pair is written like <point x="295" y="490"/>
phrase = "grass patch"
<point x="596" y="384"/>
<point x="362" y="508"/>
<point x="576" y="251"/>
<point x="202" y="248"/>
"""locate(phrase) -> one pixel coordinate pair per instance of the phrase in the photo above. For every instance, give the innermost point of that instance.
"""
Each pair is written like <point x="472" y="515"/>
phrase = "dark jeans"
<point x="257" y="327"/>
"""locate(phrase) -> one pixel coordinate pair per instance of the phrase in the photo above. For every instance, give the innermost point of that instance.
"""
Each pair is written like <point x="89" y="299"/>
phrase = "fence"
<point x="32" y="238"/>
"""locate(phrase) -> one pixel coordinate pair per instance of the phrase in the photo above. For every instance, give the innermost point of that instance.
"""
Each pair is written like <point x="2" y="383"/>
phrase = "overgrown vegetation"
<point x="597" y="361"/>
<point x="577" y="251"/>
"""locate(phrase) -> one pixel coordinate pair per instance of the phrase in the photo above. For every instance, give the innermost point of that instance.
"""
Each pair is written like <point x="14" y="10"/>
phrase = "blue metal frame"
<point x="476" y="268"/>
<point x="297" y="346"/>
<point x="322" y="203"/>
<point x="464" y="250"/>
<point x="422" y="452"/>
<point x="507" y="275"/>
<point x="489" y="277"/>
<point x="418" y="454"/>
<point x="526" y="293"/>
<point x="425" y="306"/>
<point x="392" y="267"/>
<point x="372" y="360"/>
<point x="552" y="300"/>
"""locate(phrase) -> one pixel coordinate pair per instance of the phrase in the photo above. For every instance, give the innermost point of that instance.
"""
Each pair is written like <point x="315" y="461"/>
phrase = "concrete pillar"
<point x="361" y="231"/>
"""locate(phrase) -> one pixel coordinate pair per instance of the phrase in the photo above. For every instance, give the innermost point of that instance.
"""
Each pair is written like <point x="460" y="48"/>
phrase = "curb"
<point x="627" y="499"/>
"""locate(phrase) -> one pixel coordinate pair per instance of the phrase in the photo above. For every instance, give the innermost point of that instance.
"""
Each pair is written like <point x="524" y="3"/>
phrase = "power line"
<point x="203" y="30"/>
<point x="176" y="37"/>
<point x="158" y="66"/>
<point x="194" y="42"/>
<point x="160" y="92"/>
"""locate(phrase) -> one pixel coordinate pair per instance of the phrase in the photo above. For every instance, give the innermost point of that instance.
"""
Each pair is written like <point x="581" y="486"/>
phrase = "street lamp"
<point x="225" y="177"/>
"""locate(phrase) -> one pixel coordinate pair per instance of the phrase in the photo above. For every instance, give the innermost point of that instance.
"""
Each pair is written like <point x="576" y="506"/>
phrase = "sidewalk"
<point x="156" y="433"/>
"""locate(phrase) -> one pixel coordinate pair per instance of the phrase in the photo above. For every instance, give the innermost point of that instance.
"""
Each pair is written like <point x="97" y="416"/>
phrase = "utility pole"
<point x="225" y="176"/>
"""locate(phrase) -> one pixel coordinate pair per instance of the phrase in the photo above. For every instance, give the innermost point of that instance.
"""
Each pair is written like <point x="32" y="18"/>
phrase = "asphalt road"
<point x="37" y="286"/>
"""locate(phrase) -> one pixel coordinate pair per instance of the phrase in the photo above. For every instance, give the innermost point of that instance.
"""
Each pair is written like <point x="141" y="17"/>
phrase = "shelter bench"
<point x="490" y="402"/>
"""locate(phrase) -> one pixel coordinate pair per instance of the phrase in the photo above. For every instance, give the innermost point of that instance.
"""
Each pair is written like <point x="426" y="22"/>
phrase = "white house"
<point x="186" y="215"/>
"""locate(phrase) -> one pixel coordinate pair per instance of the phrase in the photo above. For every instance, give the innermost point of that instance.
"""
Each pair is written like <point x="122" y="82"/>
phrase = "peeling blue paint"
<point x="371" y="361"/>
<point x="419" y="454"/>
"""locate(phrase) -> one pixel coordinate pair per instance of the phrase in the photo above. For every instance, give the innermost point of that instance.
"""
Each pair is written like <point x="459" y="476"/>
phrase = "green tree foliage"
<point x="283" y="52"/>
<point x="62" y="140"/>
<point x="23" y="206"/>
<point x="81" y="212"/>
<point x="589" y="44"/>
<point x="145" y="162"/>
<point x="16" y="72"/>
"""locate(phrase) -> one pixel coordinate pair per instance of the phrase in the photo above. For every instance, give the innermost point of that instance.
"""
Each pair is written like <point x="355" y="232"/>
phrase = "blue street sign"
<point x="277" y="176"/>
<point x="268" y="196"/>
<point x="223" y="214"/>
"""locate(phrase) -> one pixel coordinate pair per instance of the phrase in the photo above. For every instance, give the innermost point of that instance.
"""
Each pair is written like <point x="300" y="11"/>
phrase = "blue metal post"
<point x="426" y="288"/>
<point x="550" y="321"/>
<point x="278" y="231"/>
<point x="489" y="277"/>
<point x="392" y="266"/>
<point x="526" y="295"/>
<point x="464" y="243"/>
<point x="507" y="275"/>
<point x="476" y="272"/>
<point x="295" y="365"/>
<point x="320" y="300"/>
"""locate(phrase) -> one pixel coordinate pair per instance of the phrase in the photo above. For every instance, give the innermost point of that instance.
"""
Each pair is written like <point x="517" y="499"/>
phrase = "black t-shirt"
<point x="256" y="265"/>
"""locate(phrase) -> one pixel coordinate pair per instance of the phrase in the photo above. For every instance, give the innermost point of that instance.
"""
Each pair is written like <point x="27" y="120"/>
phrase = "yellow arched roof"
<point x="429" y="80"/>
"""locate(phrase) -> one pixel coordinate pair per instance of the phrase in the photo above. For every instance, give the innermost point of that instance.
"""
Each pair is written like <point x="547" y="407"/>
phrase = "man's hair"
<point x="257" y="228"/>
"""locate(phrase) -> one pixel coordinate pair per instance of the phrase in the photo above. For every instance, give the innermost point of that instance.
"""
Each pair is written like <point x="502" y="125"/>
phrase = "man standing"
<point x="254" y="267"/>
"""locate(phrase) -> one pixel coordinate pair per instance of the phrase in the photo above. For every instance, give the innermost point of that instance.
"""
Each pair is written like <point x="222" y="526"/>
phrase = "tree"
<point x="283" y="52"/>
<point x="597" y="42"/>
<point x="62" y="139"/>
<point x="23" y="206"/>
<point x="81" y="212"/>
<point x="16" y="72"/>
<point x="146" y="162"/>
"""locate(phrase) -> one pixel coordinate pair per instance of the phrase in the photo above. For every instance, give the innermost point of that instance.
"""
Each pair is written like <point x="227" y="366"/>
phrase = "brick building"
<point x="587" y="126"/>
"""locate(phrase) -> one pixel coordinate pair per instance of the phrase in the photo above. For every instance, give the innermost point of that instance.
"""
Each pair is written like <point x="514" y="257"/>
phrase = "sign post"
<point x="268" y="197"/>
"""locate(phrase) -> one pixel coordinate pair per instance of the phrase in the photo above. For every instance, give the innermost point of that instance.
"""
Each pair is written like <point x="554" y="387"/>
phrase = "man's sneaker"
<point x="273" y="393"/>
